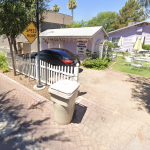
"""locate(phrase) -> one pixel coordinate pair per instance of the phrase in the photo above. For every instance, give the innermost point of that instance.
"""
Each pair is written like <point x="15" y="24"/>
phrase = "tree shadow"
<point x="20" y="113"/>
<point x="79" y="113"/>
<point x="141" y="92"/>
<point x="35" y="106"/>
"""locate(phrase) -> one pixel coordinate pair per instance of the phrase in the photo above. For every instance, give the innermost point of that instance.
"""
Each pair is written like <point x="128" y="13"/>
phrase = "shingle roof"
<point x="129" y="26"/>
<point x="73" y="32"/>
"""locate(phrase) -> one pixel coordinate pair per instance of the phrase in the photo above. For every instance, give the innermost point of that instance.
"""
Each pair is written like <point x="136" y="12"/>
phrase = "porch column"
<point x="93" y="44"/>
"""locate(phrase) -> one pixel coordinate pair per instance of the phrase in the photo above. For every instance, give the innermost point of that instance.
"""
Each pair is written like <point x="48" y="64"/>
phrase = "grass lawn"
<point x="122" y="66"/>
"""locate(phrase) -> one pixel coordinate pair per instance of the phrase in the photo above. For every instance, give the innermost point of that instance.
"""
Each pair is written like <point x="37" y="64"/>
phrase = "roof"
<point x="129" y="26"/>
<point x="73" y="32"/>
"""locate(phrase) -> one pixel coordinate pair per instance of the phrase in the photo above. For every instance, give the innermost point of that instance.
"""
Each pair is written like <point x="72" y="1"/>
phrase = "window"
<point x="115" y="39"/>
<point x="139" y="29"/>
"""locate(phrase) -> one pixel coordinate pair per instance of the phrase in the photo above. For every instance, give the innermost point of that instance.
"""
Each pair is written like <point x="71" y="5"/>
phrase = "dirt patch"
<point x="126" y="94"/>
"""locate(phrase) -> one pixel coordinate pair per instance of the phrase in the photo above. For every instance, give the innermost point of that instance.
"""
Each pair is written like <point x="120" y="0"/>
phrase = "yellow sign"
<point x="30" y="33"/>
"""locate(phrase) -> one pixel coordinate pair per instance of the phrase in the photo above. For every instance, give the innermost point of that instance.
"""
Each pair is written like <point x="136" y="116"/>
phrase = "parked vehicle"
<point x="58" y="56"/>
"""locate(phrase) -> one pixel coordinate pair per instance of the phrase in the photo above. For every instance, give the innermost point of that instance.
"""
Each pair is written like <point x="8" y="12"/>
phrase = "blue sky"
<point x="86" y="9"/>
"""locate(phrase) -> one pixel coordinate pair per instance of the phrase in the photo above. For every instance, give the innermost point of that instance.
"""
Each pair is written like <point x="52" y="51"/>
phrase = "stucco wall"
<point x="57" y="18"/>
<point x="44" y="45"/>
<point x="98" y="36"/>
<point x="129" y="33"/>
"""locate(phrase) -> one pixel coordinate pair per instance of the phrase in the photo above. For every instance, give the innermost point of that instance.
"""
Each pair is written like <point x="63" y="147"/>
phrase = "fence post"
<point x="36" y="66"/>
<point x="76" y="72"/>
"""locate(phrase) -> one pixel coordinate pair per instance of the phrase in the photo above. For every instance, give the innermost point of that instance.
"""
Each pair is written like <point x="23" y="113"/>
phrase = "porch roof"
<point x="83" y="32"/>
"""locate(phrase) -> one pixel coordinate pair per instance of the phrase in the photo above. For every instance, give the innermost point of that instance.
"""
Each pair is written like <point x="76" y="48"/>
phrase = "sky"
<point x="86" y="9"/>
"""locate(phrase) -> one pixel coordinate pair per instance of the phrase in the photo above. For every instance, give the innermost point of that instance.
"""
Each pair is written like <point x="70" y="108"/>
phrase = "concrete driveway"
<point x="129" y="95"/>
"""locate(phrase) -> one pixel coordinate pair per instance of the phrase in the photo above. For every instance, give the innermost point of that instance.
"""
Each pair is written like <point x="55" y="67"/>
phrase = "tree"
<point x="55" y="8"/>
<point x="145" y="4"/>
<point x="15" y="15"/>
<point x="131" y="12"/>
<point x="77" y="24"/>
<point x="105" y="19"/>
<point x="72" y="4"/>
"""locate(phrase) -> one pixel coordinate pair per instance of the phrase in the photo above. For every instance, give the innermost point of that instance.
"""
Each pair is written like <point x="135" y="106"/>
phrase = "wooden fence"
<point x="49" y="74"/>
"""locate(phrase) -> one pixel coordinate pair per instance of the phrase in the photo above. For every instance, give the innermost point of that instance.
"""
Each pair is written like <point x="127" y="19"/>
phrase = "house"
<point x="52" y="21"/>
<point x="130" y="34"/>
<point x="76" y="40"/>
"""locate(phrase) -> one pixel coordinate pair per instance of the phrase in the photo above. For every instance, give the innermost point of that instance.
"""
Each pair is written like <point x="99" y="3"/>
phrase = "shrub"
<point x="110" y="45"/>
<point x="115" y="44"/>
<point x="98" y="63"/>
<point x="3" y="63"/>
<point x="94" y="55"/>
<point x="146" y="46"/>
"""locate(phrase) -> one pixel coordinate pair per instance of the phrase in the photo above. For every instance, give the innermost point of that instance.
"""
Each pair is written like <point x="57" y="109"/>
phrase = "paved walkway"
<point x="93" y="127"/>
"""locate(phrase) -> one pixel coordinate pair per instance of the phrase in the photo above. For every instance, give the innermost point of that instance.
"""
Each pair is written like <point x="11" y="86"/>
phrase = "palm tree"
<point x="72" y="4"/>
<point x="55" y="8"/>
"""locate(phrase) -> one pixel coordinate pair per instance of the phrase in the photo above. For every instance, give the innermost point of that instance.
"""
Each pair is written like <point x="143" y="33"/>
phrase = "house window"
<point x="115" y="39"/>
<point x="139" y="29"/>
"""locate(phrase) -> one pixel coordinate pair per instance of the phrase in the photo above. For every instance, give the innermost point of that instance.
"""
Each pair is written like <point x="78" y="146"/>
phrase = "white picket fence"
<point x="49" y="74"/>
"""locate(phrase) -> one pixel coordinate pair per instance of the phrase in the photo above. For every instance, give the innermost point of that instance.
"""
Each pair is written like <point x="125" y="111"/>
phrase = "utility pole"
<point x="37" y="23"/>
<point x="39" y="86"/>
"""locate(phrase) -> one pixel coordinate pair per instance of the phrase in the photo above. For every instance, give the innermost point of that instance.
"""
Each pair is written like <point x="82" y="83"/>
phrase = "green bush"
<point x="3" y="63"/>
<point x="94" y="55"/>
<point x="110" y="45"/>
<point x="146" y="46"/>
<point x="115" y="44"/>
<point x="98" y="63"/>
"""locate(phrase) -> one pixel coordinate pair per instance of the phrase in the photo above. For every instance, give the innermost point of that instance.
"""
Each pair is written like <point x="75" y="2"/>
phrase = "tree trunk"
<point x="12" y="57"/>
<point x="15" y="47"/>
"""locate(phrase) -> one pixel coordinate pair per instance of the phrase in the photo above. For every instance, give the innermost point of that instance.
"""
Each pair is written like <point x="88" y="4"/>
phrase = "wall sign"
<point x="81" y="46"/>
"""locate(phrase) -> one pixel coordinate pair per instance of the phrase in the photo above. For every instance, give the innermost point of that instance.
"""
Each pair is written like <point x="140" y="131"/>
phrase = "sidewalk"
<point x="93" y="127"/>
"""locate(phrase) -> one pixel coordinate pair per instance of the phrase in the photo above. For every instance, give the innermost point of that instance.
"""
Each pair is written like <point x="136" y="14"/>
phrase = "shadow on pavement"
<point x="21" y="113"/>
<point x="81" y="93"/>
<point x="141" y="92"/>
<point x="79" y="113"/>
<point x="80" y="70"/>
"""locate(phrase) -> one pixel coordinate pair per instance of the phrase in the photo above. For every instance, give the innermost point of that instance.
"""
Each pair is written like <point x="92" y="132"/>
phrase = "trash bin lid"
<point x="65" y="86"/>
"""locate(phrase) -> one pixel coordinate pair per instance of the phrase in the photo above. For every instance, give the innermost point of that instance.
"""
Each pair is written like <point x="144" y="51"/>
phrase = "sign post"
<point x="31" y="34"/>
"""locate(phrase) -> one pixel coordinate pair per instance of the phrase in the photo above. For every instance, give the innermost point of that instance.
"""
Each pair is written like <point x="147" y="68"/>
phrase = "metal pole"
<point x="29" y="62"/>
<point x="37" y="20"/>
